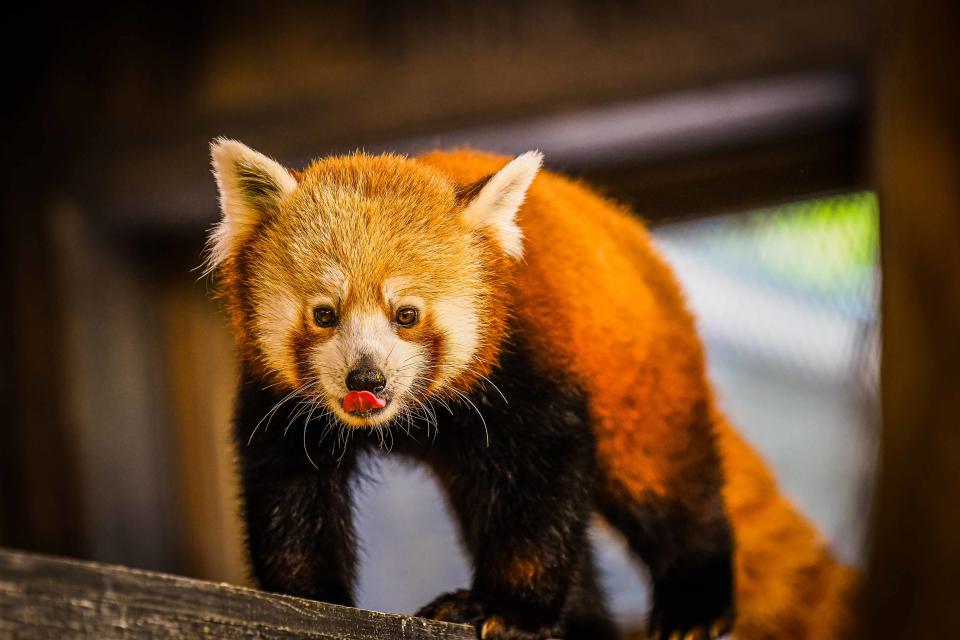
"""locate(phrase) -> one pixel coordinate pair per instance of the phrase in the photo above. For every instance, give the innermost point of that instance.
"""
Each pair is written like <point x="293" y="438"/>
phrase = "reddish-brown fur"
<point x="414" y="188"/>
<point x="595" y="301"/>
<point x="598" y="302"/>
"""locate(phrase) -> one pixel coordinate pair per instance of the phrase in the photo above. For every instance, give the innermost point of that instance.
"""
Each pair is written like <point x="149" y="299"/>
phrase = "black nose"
<point x="366" y="379"/>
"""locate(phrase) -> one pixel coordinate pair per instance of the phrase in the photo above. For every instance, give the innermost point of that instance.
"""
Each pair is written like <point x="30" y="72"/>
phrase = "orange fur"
<point x="523" y="571"/>
<point x="411" y="196"/>
<point x="598" y="302"/>
<point x="593" y="299"/>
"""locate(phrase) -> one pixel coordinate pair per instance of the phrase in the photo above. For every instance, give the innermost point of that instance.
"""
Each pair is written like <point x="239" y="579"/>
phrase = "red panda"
<point x="520" y="336"/>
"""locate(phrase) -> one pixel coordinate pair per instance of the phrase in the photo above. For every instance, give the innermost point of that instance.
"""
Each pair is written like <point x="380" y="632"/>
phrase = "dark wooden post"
<point x="913" y="585"/>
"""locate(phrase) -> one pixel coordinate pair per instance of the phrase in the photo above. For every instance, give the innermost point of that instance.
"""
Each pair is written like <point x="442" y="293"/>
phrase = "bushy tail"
<point x="789" y="585"/>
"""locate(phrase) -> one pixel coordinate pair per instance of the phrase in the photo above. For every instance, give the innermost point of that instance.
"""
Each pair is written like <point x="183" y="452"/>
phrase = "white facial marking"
<point x="395" y="287"/>
<point x="278" y="316"/>
<point x="366" y="334"/>
<point x="337" y="281"/>
<point x="369" y="334"/>
<point x="456" y="317"/>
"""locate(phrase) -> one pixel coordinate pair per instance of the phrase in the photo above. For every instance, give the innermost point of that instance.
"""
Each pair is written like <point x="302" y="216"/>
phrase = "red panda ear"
<point x="496" y="199"/>
<point x="251" y="187"/>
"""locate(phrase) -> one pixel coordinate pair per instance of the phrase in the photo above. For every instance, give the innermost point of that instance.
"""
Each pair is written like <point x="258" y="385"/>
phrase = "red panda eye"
<point x="407" y="316"/>
<point x="324" y="316"/>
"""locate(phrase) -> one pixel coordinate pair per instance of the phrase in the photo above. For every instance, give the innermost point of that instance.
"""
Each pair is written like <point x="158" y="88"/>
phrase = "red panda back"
<point x="597" y="303"/>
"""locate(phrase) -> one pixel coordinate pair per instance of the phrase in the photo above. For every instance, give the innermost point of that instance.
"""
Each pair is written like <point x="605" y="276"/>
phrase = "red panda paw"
<point x="455" y="606"/>
<point x="694" y="600"/>
<point x="717" y="629"/>
<point x="461" y="607"/>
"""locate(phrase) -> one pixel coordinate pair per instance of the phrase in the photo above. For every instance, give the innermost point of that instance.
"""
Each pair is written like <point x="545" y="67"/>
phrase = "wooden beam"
<point x="744" y="177"/>
<point x="323" y="79"/>
<point x="724" y="148"/>
<point x="45" y="598"/>
<point x="913" y="585"/>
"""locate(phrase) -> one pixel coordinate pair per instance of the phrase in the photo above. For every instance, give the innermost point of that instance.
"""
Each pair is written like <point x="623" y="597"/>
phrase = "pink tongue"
<point x="361" y="401"/>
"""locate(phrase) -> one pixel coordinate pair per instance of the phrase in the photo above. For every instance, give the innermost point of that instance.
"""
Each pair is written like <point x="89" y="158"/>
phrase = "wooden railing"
<point x="42" y="597"/>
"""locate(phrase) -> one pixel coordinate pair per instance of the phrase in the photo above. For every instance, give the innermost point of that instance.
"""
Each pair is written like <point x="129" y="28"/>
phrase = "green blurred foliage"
<point x="827" y="246"/>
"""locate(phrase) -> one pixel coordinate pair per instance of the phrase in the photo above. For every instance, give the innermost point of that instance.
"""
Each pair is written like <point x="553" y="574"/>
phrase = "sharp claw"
<point x="717" y="629"/>
<point x="490" y="627"/>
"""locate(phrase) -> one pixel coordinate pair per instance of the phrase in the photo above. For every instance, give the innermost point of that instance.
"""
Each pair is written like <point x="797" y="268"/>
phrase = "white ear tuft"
<point x="251" y="187"/>
<point x="496" y="203"/>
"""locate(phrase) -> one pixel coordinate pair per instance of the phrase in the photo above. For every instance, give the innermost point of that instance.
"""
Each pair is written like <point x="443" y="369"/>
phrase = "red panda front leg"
<point x="524" y="517"/>
<point x="298" y="511"/>
<point x="523" y="499"/>
<point x="679" y="528"/>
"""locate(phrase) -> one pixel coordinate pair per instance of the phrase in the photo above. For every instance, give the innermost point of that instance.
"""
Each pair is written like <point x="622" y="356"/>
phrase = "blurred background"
<point x="753" y="137"/>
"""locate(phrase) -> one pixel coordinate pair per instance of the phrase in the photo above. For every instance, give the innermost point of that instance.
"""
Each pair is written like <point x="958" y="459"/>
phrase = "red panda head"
<point x="366" y="284"/>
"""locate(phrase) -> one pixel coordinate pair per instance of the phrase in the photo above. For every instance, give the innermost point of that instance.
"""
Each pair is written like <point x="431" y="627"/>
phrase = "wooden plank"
<point x="43" y="597"/>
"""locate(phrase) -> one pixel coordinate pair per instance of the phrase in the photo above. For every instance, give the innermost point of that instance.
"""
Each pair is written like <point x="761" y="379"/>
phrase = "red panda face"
<point x="363" y="283"/>
<point x="366" y="281"/>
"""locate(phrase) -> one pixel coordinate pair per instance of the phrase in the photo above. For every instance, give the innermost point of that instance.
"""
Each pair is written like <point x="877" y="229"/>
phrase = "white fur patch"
<point x="368" y="333"/>
<point x="233" y="162"/>
<point x="395" y="287"/>
<point x="496" y="206"/>
<point x="456" y="317"/>
<point x="278" y="314"/>
<point x="336" y="282"/>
